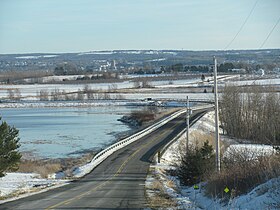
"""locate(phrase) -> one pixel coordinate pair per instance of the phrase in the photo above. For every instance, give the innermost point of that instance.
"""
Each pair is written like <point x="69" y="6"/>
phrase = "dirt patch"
<point x="156" y="194"/>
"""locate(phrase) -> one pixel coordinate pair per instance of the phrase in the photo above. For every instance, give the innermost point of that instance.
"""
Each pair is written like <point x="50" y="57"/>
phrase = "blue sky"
<point x="28" y="26"/>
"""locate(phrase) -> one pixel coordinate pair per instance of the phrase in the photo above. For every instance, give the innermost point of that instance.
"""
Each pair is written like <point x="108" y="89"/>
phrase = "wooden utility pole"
<point x="218" y="160"/>
<point x="188" y="124"/>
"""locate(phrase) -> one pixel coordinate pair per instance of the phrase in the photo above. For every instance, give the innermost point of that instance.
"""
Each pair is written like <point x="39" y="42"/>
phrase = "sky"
<point x="52" y="26"/>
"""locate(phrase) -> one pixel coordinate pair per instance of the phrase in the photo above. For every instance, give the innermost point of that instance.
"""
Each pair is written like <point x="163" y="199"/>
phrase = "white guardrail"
<point x="102" y="155"/>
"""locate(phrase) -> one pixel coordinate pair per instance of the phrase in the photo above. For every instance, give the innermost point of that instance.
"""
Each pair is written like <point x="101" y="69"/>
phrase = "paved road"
<point x="117" y="183"/>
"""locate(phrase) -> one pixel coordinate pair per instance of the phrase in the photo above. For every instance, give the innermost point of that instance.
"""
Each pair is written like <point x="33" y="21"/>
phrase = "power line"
<point x="240" y="29"/>
<point x="270" y="33"/>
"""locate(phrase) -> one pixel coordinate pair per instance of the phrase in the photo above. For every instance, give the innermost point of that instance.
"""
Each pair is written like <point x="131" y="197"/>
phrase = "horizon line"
<point x="112" y="50"/>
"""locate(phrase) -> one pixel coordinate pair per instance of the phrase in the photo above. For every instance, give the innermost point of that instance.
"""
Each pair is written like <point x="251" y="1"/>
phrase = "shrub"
<point x="142" y="116"/>
<point x="242" y="176"/>
<point x="196" y="164"/>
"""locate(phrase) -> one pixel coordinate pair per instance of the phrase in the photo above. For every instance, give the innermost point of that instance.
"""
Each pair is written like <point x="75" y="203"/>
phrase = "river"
<point x="65" y="132"/>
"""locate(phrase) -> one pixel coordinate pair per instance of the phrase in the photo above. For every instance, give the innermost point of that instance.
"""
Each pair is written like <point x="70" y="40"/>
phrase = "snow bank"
<point x="249" y="151"/>
<point x="206" y="123"/>
<point x="264" y="196"/>
<point x="17" y="183"/>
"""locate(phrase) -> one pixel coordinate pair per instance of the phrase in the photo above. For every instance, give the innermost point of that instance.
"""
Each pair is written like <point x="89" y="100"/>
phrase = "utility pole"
<point x="188" y="124"/>
<point x="218" y="161"/>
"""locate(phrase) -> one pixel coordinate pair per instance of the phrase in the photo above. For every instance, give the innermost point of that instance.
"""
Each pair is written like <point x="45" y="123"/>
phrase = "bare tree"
<point x="89" y="92"/>
<point x="251" y="114"/>
<point x="145" y="83"/>
<point x="112" y="88"/>
<point x="10" y="94"/>
<point x="137" y="83"/>
<point x="56" y="95"/>
<point x="120" y="97"/>
<point x="80" y="95"/>
<point x="44" y="95"/>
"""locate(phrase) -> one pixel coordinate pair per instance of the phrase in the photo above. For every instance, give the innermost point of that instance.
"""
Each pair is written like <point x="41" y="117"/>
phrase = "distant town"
<point x="143" y="61"/>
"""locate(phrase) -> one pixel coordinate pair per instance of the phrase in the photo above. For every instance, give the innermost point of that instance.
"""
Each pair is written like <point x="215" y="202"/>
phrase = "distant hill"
<point x="127" y="58"/>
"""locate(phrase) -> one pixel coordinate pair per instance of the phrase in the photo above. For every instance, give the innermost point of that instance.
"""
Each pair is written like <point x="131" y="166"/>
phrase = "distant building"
<point x="113" y="65"/>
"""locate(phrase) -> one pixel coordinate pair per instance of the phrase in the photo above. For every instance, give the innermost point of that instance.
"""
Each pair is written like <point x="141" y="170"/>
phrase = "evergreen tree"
<point x="9" y="143"/>
<point x="196" y="164"/>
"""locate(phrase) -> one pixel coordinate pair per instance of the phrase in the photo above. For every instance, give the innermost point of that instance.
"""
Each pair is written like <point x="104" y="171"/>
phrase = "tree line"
<point x="251" y="114"/>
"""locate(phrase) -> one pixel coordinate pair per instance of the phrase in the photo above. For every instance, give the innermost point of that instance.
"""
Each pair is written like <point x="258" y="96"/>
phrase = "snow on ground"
<point x="249" y="151"/>
<point x="97" y="53"/>
<point x="18" y="183"/>
<point x="59" y="78"/>
<point x="271" y="81"/>
<point x="32" y="90"/>
<point x="41" y="104"/>
<point x="36" y="57"/>
<point x="264" y="196"/>
<point x="192" y="82"/>
<point x="90" y="103"/>
<point x="205" y="124"/>
<point x="29" y="91"/>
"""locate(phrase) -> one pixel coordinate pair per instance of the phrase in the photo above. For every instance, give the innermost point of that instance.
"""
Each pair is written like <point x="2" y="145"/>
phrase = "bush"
<point x="142" y="116"/>
<point x="242" y="176"/>
<point x="196" y="164"/>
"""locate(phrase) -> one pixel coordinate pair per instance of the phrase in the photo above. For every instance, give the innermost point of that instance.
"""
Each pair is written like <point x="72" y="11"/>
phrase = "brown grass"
<point x="49" y="166"/>
<point x="242" y="176"/>
<point x="159" y="198"/>
<point x="198" y="138"/>
<point x="42" y="167"/>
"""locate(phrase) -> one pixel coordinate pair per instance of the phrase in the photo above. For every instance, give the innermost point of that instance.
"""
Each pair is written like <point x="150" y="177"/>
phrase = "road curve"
<point x="117" y="183"/>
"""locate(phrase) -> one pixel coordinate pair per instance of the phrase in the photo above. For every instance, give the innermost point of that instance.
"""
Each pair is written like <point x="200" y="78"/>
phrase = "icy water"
<point x="64" y="132"/>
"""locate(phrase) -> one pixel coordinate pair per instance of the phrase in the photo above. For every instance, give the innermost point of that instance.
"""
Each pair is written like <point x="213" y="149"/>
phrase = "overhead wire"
<point x="271" y="31"/>
<point x="269" y="34"/>
<point x="244" y="23"/>
<point x="242" y="26"/>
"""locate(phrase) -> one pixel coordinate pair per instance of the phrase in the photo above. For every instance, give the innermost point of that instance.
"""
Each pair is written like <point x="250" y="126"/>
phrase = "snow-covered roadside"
<point x="19" y="185"/>
<point x="264" y="196"/>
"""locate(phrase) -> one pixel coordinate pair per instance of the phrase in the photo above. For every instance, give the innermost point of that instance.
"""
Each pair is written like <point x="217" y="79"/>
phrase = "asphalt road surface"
<point x="117" y="183"/>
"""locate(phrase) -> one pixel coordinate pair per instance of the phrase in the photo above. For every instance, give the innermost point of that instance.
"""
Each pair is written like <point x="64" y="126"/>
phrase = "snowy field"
<point x="29" y="92"/>
<point x="19" y="183"/>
